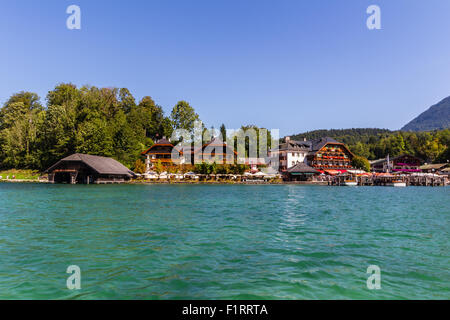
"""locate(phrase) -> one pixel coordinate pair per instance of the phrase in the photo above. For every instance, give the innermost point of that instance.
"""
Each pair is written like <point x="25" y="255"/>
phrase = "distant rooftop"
<point x="306" y="145"/>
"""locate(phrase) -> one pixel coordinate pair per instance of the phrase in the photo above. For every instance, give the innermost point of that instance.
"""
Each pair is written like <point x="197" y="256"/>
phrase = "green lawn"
<point x="20" y="174"/>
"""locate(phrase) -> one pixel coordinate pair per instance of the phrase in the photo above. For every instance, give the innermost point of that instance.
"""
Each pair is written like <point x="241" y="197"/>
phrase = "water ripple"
<point x="223" y="241"/>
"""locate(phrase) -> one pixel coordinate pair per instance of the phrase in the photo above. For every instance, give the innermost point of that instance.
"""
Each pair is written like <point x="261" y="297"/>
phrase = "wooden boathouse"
<point x="86" y="169"/>
<point x="300" y="172"/>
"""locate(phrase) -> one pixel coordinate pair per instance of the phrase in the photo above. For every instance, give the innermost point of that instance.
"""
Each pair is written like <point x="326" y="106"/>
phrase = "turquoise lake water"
<point x="223" y="241"/>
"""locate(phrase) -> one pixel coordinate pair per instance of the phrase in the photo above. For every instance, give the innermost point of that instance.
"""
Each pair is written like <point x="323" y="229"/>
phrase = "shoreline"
<point x="321" y="183"/>
<point x="304" y="183"/>
<point x="22" y="181"/>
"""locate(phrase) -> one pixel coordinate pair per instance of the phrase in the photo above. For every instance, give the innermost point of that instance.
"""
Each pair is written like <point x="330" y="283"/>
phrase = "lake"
<point x="223" y="241"/>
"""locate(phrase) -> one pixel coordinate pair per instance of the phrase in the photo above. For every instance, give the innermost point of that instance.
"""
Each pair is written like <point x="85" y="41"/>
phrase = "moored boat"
<point x="350" y="183"/>
<point x="397" y="183"/>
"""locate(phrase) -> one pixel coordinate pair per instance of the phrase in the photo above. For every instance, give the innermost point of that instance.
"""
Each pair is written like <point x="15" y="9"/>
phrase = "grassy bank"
<point x="20" y="174"/>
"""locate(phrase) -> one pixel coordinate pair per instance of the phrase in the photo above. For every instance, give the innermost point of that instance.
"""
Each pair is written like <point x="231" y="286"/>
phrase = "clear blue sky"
<point x="293" y="65"/>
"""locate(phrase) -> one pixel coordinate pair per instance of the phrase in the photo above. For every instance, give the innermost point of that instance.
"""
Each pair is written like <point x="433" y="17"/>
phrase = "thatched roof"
<point x="102" y="165"/>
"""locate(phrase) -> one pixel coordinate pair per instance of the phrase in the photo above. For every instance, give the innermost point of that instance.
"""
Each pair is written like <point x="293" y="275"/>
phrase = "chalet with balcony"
<point x="217" y="151"/>
<point x="404" y="163"/>
<point x="329" y="154"/>
<point x="161" y="151"/>
<point x="324" y="154"/>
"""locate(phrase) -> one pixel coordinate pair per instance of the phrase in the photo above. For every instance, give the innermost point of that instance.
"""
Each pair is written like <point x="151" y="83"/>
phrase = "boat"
<point x="350" y="183"/>
<point x="397" y="183"/>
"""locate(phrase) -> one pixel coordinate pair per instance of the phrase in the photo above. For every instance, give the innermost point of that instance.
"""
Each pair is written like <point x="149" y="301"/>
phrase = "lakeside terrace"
<point x="390" y="179"/>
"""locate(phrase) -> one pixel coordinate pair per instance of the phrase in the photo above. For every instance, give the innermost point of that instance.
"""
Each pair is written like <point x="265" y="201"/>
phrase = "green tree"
<point x="127" y="139"/>
<point x="94" y="137"/>
<point x="64" y="94"/>
<point x="20" y="123"/>
<point x="361" y="163"/>
<point x="433" y="149"/>
<point x="223" y="132"/>
<point x="152" y="117"/>
<point x="213" y="168"/>
<point x="59" y="131"/>
<point x="17" y="106"/>
<point x="19" y="142"/>
<point x="361" y="149"/>
<point x="158" y="167"/>
<point x="397" y="145"/>
<point x="127" y="101"/>
<point x="167" y="127"/>
<point x="183" y="116"/>
<point x="238" y="168"/>
<point x="139" y="166"/>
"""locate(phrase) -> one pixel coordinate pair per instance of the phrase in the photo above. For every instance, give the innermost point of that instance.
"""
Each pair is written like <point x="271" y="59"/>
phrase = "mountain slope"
<point x="436" y="117"/>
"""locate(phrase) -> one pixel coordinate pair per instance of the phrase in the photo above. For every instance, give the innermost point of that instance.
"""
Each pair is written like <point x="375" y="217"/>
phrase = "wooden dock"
<point x="425" y="181"/>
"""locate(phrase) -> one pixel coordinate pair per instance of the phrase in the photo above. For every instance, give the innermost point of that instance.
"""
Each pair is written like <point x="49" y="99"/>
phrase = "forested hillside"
<point x="100" y="121"/>
<point x="373" y="144"/>
<point x="347" y="136"/>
